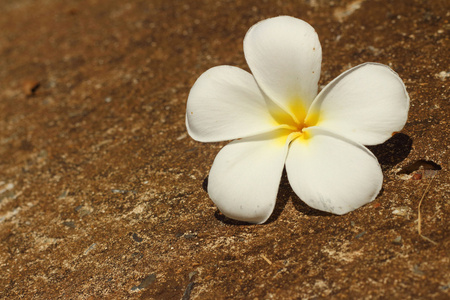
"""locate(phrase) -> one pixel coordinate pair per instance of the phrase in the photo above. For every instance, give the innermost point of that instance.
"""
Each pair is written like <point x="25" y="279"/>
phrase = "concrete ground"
<point x="101" y="187"/>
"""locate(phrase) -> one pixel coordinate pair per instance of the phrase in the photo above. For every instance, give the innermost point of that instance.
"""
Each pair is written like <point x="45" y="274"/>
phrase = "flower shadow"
<point x="393" y="151"/>
<point x="285" y="194"/>
<point x="221" y="217"/>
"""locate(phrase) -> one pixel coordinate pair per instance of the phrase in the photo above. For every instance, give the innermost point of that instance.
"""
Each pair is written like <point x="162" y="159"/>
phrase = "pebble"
<point x="443" y="75"/>
<point x="401" y="211"/>
<point x="190" y="236"/>
<point x="83" y="211"/>
<point x="360" y="234"/>
<point x="63" y="194"/>
<point x="117" y="191"/>
<point x="417" y="270"/>
<point x="69" y="224"/>
<point x="145" y="283"/>
<point x="183" y="136"/>
<point x="192" y="274"/>
<point x="397" y="240"/>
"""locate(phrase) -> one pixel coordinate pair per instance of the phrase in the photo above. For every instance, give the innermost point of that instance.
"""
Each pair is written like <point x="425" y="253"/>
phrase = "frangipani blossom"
<point x="277" y="119"/>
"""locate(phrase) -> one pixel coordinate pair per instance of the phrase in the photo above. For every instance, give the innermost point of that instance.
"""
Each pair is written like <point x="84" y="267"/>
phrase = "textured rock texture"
<point x="101" y="188"/>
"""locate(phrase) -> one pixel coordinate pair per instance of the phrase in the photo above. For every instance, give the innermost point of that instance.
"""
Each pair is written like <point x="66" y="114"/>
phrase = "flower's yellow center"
<point x="295" y="121"/>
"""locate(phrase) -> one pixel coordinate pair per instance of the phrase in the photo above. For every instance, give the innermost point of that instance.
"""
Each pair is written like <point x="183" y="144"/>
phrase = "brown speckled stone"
<point x="101" y="188"/>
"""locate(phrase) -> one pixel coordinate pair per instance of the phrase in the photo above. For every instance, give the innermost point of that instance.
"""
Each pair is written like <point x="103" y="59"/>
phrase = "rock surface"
<point x="101" y="188"/>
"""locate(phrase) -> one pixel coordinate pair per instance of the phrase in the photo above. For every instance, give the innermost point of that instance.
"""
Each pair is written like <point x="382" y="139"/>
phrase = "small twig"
<point x="428" y="239"/>
<point x="419" y="220"/>
<point x="266" y="259"/>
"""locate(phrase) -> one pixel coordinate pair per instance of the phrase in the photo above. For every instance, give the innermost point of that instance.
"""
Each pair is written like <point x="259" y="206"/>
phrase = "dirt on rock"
<point x="101" y="187"/>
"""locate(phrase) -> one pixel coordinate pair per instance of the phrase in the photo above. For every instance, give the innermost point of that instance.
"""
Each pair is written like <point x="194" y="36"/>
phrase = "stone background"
<point x="101" y="188"/>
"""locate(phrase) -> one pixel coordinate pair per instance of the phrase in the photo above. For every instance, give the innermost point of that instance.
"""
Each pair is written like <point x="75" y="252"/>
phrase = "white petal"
<point x="244" y="178"/>
<point x="225" y="103"/>
<point x="366" y="104"/>
<point x="331" y="173"/>
<point x="284" y="55"/>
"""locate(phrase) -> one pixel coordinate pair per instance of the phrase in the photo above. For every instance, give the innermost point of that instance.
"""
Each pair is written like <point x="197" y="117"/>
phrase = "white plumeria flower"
<point x="276" y="119"/>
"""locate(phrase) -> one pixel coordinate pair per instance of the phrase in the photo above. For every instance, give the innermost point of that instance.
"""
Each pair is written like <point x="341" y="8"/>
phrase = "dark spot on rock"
<point x="26" y="145"/>
<point x="187" y="291"/>
<point x="137" y="255"/>
<point x="30" y="87"/>
<point x="136" y="238"/>
<point x="420" y="164"/>
<point x="420" y="169"/>
<point x="69" y="224"/>
<point x="205" y="184"/>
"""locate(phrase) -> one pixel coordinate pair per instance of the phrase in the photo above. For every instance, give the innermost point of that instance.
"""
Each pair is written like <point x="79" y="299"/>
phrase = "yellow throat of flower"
<point x="296" y="120"/>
